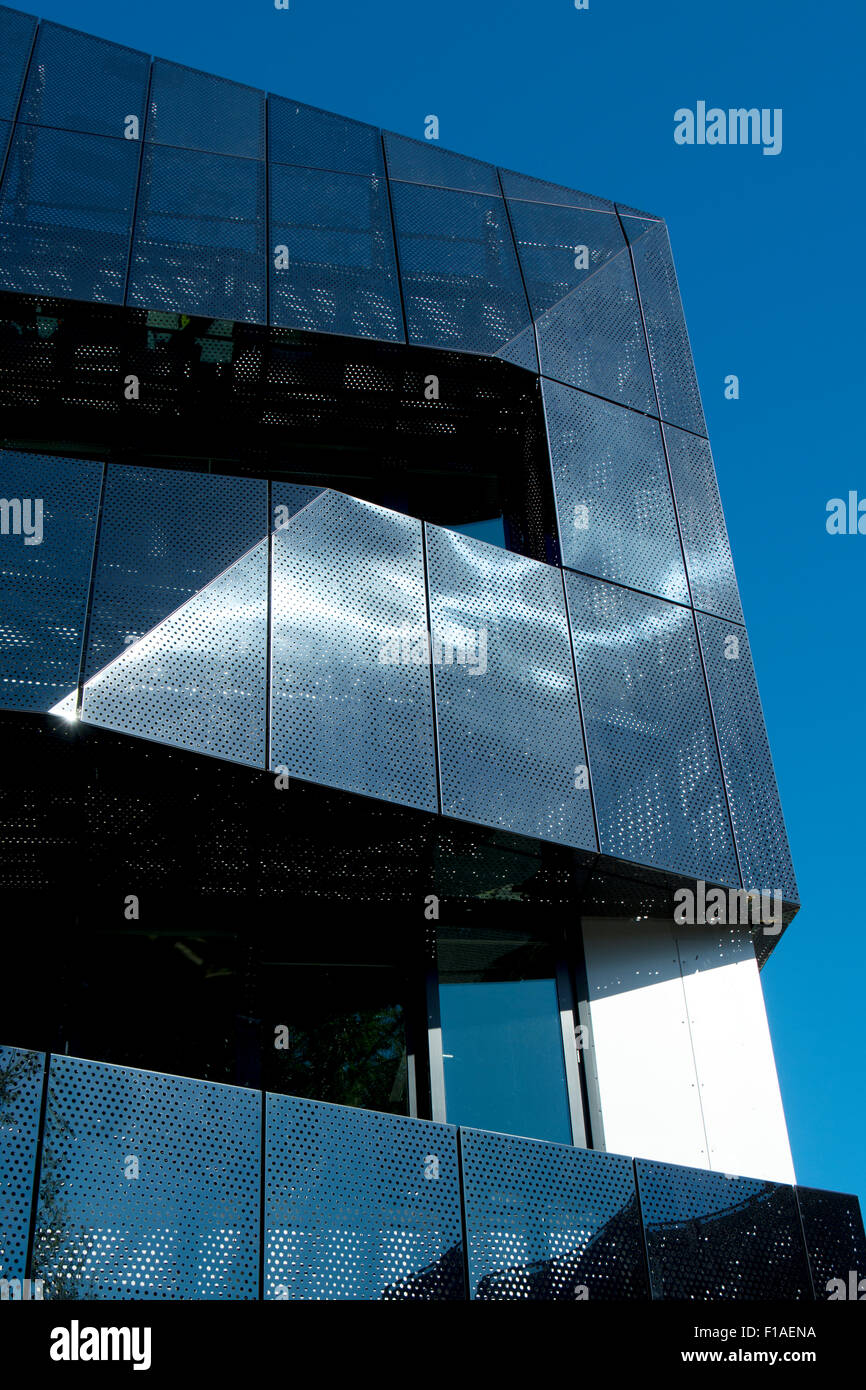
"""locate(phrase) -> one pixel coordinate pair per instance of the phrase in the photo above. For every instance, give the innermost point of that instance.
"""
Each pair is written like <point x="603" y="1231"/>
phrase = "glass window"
<point x="335" y="1033"/>
<point x="501" y="1035"/>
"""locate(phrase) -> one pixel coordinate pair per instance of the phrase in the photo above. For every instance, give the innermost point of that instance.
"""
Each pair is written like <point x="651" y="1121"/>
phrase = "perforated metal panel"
<point x="625" y="211"/>
<point x="702" y="521"/>
<point x="359" y="1205"/>
<point x="65" y="214"/>
<point x="551" y="242"/>
<point x="299" y="134"/>
<point x="613" y="496"/>
<point x="200" y="235"/>
<point x="759" y="825"/>
<point x="461" y="283"/>
<point x="349" y="706"/>
<point x="149" y="1187"/>
<point x="423" y="161"/>
<point x="16" y="39"/>
<point x="339" y="274"/>
<point x="197" y="680"/>
<point x="78" y="82"/>
<point x="594" y="338"/>
<point x="198" y="111"/>
<point x="43" y="587"/>
<point x="835" y="1242"/>
<point x="165" y="535"/>
<point x="655" y="769"/>
<point x="539" y="191"/>
<point x="547" y="1221"/>
<point x="711" y="1236"/>
<point x="507" y="714"/>
<point x="670" y="352"/>
<point x="21" y="1077"/>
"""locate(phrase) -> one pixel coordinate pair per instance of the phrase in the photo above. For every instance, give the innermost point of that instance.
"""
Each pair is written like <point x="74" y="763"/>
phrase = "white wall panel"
<point x="685" y="1064"/>
<point x="646" y="1072"/>
<point x="739" y="1088"/>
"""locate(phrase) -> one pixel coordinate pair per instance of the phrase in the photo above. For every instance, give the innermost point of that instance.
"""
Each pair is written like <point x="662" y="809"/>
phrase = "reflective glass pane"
<point x="501" y="1036"/>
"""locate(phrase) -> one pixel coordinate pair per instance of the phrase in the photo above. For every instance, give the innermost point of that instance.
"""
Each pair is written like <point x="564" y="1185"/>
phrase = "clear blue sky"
<point x="586" y="98"/>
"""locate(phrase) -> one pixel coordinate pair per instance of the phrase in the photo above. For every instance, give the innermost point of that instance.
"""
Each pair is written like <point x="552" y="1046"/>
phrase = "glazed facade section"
<point x="271" y="1197"/>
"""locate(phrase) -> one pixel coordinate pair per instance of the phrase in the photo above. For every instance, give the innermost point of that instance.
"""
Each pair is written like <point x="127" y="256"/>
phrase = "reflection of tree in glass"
<point x="356" y="1058"/>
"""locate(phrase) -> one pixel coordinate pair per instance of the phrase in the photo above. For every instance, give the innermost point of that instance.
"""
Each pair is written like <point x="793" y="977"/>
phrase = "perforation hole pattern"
<point x="43" y="587"/>
<point x="347" y="577"/>
<point x="360" y="1205"/>
<point x="759" y="825"/>
<point x="835" y="1241"/>
<point x="652" y="753"/>
<point x="702" y="521"/>
<point x="187" y="1226"/>
<point x="510" y="739"/>
<point x="710" y="1236"/>
<point x="78" y="82"/>
<point x="422" y="161"/>
<point x="21" y="1075"/>
<point x="337" y="273"/>
<point x="670" y="352"/>
<point x="616" y="513"/>
<point x="198" y="111"/>
<point x="197" y="680"/>
<point x="548" y="242"/>
<point x="461" y="282"/>
<point x="539" y="191"/>
<point x="299" y="134"/>
<point x="65" y="214"/>
<point x="165" y="535"/>
<point x="548" y="1222"/>
<point x="16" y="39"/>
<point x="199" y="236"/>
<point x="594" y="338"/>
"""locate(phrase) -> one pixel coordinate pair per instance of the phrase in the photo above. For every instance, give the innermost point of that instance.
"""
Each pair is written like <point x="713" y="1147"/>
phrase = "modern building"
<point x="391" y="837"/>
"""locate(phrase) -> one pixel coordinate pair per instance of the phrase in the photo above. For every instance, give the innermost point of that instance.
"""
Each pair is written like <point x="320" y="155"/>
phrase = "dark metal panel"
<point x="835" y="1242"/>
<point x="340" y="275"/>
<point x="16" y="40"/>
<point x="198" y="111"/>
<point x="459" y="272"/>
<point x="713" y="1236"/>
<point x="539" y="191"/>
<point x="593" y="338"/>
<point x="351" y="705"/>
<point x="423" y="161"/>
<point x="78" y="82"/>
<point x="759" y="826"/>
<point x="613" y="495"/>
<point x="21" y="1078"/>
<point x="124" y="1213"/>
<point x="549" y="1222"/>
<point x="43" y="586"/>
<point x="658" y="787"/>
<point x="65" y="214"/>
<point x="507" y="714"/>
<point x="702" y="522"/>
<point x="669" y="349"/>
<point x="549" y="241"/>
<point x="299" y="134"/>
<point x="199" y="244"/>
<point x="165" y="536"/>
<point x="360" y="1205"/>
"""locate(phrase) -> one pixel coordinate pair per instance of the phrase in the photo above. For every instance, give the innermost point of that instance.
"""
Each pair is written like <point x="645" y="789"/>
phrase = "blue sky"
<point x="586" y="98"/>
